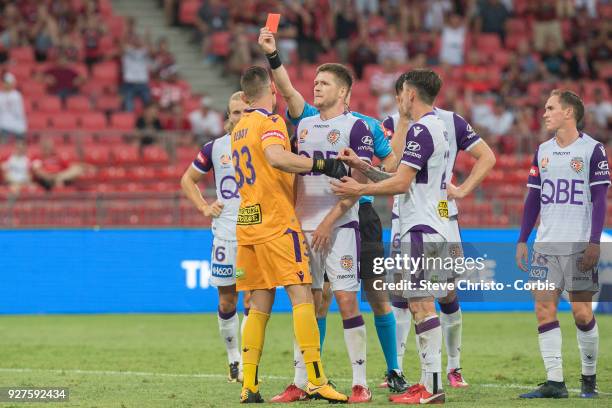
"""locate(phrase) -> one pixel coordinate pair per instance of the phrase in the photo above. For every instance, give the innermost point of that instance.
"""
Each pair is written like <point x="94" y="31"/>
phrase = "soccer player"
<point x="271" y="246"/>
<point x="216" y="156"/>
<point x="568" y="182"/>
<point x="330" y="224"/>
<point x="421" y="179"/>
<point x="369" y="223"/>
<point x="461" y="136"/>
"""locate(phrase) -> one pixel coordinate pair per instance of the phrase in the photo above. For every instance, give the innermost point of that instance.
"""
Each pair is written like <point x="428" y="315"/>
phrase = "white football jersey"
<point x="217" y="155"/>
<point x="325" y="138"/>
<point x="424" y="207"/>
<point x="564" y="177"/>
<point x="389" y="127"/>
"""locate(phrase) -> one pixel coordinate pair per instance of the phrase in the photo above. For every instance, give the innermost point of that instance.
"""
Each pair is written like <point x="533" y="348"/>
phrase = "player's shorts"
<point x="563" y="272"/>
<point x="431" y="248"/>
<point x="372" y="247"/>
<point x="455" y="249"/>
<point x="223" y="260"/>
<point x="340" y="264"/>
<point x="282" y="261"/>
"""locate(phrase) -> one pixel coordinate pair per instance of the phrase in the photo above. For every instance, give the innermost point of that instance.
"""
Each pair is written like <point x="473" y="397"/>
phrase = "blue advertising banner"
<point x="141" y="271"/>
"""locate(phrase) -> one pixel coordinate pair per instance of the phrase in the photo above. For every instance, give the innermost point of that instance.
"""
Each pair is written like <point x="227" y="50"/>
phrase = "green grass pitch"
<point x="179" y="360"/>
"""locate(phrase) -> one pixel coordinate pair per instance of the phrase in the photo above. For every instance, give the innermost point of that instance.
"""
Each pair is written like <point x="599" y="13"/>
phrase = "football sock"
<point x="429" y="336"/>
<point x="322" y="323"/>
<point x="252" y="344"/>
<point x="451" y="321"/>
<point x="403" y="321"/>
<point x="307" y="337"/>
<point x="300" y="377"/>
<point x="385" y="328"/>
<point x="588" y="343"/>
<point x="355" y="339"/>
<point x="550" y="347"/>
<point x="228" y="328"/>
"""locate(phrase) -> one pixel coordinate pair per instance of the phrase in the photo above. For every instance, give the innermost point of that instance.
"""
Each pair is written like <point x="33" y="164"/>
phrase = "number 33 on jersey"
<point x="266" y="208"/>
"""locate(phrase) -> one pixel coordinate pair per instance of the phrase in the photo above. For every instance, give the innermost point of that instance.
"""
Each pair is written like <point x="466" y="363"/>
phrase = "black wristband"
<point x="318" y="165"/>
<point x="274" y="60"/>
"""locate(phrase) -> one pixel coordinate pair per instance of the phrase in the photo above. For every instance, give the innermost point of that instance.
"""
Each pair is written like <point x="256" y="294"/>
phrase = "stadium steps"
<point x="202" y="78"/>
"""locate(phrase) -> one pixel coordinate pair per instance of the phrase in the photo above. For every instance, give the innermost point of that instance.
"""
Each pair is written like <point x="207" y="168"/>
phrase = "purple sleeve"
<point x="598" y="215"/>
<point x="388" y="127"/>
<point x="599" y="170"/>
<point x="361" y="140"/>
<point x="203" y="162"/>
<point x="465" y="134"/>
<point x="534" y="173"/>
<point x="419" y="146"/>
<point x="530" y="213"/>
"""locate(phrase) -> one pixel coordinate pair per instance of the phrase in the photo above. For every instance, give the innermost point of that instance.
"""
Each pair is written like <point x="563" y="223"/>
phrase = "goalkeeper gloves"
<point x="330" y="167"/>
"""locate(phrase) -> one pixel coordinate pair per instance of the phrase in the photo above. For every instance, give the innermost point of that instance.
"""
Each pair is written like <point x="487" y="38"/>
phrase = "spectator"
<point x="552" y="57"/>
<point x="135" y="63"/>
<point x="213" y="16"/>
<point x="12" y="27"/>
<point x="16" y="169"/>
<point x="367" y="7"/>
<point x="579" y="65"/>
<point x="480" y="108"/>
<point x="162" y="59"/>
<point x="499" y="120"/>
<point x="287" y="33"/>
<point x="434" y="14"/>
<point x="92" y="31"/>
<point x="546" y="24"/>
<point x="206" y="124"/>
<point x="12" y="113"/>
<point x="346" y="27"/>
<point x="452" y="42"/>
<point x="383" y="82"/>
<point x="45" y="33"/>
<point x="527" y="61"/>
<point x="68" y="47"/>
<point x="62" y="80"/>
<point x="362" y="53"/>
<point x="177" y="122"/>
<point x="392" y="46"/>
<point x="492" y="17"/>
<point x="169" y="91"/>
<point x="148" y="126"/>
<point x="51" y="170"/>
<point x="241" y="51"/>
<point x="601" y="109"/>
<point x="387" y="106"/>
<point x="476" y="74"/>
<point x="307" y="25"/>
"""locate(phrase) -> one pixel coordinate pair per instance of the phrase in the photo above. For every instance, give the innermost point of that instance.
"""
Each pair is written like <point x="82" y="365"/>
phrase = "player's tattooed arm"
<point x="375" y="174"/>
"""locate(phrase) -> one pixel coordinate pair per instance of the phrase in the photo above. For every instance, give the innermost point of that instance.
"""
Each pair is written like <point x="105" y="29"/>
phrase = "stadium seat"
<point x="188" y="11"/>
<point x="67" y="153"/>
<point x="488" y="43"/>
<point x="49" y="104"/>
<point x="116" y="25"/>
<point x="108" y="103"/>
<point x="155" y="155"/>
<point x="33" y="89"/>
<point x="141" y="173"/>
<point x="220" y="43"/>
<point x="38" y="121"/>
<point x="97" y="155"/>
<point x="106" y="73"/>
<point x="63" y="121"/>
<point x="22" y="55"/>
<point x="172" y="172"/>
<point x="113" y="174"/>
<point x="93" y="121"/>
<point x="126" y="155"/>
<point x="78" y="104"/>
<point x="123" y="121"/>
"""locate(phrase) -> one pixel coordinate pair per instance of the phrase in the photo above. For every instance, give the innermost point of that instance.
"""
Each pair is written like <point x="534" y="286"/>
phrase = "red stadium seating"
<point x="106" y="73"/>
<point x="49" y="104"/>
<point x="63" y="121"/>
<point x="123" y="121"/>
<point x="188" y="11"/>
<point x="78" y="104"/>
<point x="110" y="103"/>
<point x="22" y="55"/>
<point x="125" y="155"/>
<point x="93" y="121"/>
<point x="155" y="155"/>
<point x="33" y="89"/>
<point x="220" y="43"/>
<point x="98" y="155"/>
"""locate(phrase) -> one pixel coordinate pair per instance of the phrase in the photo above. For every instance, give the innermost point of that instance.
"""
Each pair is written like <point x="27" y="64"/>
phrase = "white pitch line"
<point x="221" y="376"/>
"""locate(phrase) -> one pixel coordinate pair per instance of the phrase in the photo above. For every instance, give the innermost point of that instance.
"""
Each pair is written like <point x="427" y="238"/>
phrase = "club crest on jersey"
<point x="333" y="136"/>
<point x="533" y="172"/>
<point x="544" y="163"/>
<point x="346" y="262"/>
<point x="225" y="160"/>
<point x="302" y="136"/>
<point x="577" y="164"/>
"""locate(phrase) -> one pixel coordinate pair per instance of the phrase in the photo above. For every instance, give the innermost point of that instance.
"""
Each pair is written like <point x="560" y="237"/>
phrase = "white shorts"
<point x="340" y="263"/>
<point x="563" y="271"/>
<point x="223" y="263"/>
<point x="432" y="249"/>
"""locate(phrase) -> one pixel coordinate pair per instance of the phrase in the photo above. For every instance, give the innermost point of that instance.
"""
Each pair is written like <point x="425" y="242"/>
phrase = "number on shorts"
<point x="220" y="254"/>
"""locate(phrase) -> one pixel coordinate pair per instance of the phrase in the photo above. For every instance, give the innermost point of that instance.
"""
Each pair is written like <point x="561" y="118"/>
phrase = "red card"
<point x="272" y="23"/>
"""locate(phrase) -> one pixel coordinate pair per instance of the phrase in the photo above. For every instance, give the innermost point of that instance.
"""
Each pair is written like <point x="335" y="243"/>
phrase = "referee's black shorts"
<point x="370" y="230"/>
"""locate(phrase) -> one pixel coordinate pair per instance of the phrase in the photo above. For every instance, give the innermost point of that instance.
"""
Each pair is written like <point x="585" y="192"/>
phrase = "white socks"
<point x="429" y="337"/>
<point x="403" y="320"/>
<point x="588" y="343"/>
<point x="550" y="347"/>
<point x="300" y="376"/>
<point x="355" y="339"/>
<point x="228" y="328"/>
<point x="450" y="320"/>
